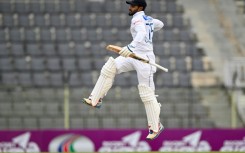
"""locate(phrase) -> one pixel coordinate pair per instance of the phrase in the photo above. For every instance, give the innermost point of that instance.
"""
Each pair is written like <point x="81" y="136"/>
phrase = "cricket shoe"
<point x="153" y="135"/>
<point x="88" y="101"/>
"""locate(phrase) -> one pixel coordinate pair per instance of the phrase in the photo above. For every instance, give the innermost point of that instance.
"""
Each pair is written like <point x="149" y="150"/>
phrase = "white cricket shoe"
<point x="88" y="101"/>
<point x="153" y="135"/>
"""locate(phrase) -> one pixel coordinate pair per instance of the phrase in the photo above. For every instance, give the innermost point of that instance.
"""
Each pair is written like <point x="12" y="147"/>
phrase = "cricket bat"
<point x="117" y="49"/>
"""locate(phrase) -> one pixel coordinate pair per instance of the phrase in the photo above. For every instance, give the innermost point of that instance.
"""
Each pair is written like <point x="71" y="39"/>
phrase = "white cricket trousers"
<point x="144" y="71"/>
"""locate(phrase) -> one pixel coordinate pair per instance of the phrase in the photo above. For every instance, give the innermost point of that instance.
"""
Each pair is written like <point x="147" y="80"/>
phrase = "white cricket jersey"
<point x="142" y="28"/>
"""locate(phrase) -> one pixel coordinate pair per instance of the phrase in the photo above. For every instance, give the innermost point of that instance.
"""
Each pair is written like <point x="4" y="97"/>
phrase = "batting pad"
<point x="152" y="107"/>
<point x="104" y="81"/>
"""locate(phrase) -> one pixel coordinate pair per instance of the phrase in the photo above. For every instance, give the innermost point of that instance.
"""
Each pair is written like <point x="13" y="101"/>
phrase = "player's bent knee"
<point x="146" y="93"/>
<point x="109" y="69"/>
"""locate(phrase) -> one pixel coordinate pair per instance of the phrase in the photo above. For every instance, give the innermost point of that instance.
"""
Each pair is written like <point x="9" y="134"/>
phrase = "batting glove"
<point x="126" y="51"/>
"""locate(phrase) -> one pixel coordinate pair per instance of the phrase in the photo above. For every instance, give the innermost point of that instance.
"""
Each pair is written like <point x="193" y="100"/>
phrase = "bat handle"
<point x="158" y="66"/>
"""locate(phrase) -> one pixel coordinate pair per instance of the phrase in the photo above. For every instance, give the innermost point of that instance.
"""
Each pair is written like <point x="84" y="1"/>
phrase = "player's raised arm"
<point x="157" y="24"/>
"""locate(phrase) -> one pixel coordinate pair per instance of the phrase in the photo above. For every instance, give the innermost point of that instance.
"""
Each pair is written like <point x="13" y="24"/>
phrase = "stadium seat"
<point x="33" y="49"/>
<point x="65" y="6"/>
<point x="40" y="20"/>
<point x="64" y="50"/>
<point x="167" y="109"/>
<point x="75" y="79"/>
<point x="184" y="80"/>
<point x="197" y="64"/>
<point x="4" y="50"/>
<point x="36" y="7"/>
<point x="53" y="64"/>
<point x="121" y="80"/>
<point x="92" y="122"/>
<point x="118" y="20"/>
<point x="165" y="79"/>
<point x="56" y="79"/>
<point x="134" y="109"/>
<point x="110" y="35"/>
<point x="30" y="123"/>
<point x="21" y="108"/>
<point x="109" y="122"/>
<point x="98" y="63"/>
<point x="51" y="6"/>
<point x="30" y="35"/>
<point x="9" y="78"/>
<point x="181" y="64"/>
<point x="173" y="122"/>
<point x="21" y="7"/>
<point x="40" y="79"/>
<point x="206" y="123"/>
<point x="36" y="109"/>
<point x="96" y="7"/>
<point x="124" y="122"/>
<point x="15" y="35"/>
<point x="182" y="109"/>
<point x="3" y="123"/>
<point x="171" y="6"/>
<point x="117" y="109"/>
<point x="94" y="35"/>
<point x="6" y="109"/>
<point x="112" y="7"/>
<point x="178" y="21"/>
<point x="56" y="20"/>
<point x="24" y="20"/>
<point x="46" y="35"/>
<point x="81" y="6"/>
<point x="140" y="122"/>
<point x="5" y="7"/>
<point x="15" y="123"/>
<point x="38" y="64"/>
<point x="77" y="123"/>
<point x="166" y="62"/>
<point x="98" y="51"/>
<point x="88" y="20"/>
<point x="8" y="20"/>
<point x="61" y="35"/>
<point x="6" y="64"/>
<point x="48" y="49"/>
<point x="103" y="20"/>
<point x="46" y="123"/>
<point x="17" y="49"/>
<point x="22" y="64"/>
<point x="84" y="64"/>
<point x="87" y="79"/>
<point x="25" y="79"/>
<point x="199" y="110"/>
<point x="69" y="64"/>
<point x="52" y="109"/>
<point x="73" y="20"/>
<point x="175" y="50"/>
<point x="2" y="35"/>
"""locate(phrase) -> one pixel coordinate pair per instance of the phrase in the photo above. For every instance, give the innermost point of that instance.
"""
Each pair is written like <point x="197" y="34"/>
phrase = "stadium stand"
<point x="41" y="41"/>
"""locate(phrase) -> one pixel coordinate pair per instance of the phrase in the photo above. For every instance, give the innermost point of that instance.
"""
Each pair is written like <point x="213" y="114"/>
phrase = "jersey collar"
<point x="139" y="13"/>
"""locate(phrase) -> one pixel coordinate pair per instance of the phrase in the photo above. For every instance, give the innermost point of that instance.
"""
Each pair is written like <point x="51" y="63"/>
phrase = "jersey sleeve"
<point x="157" y="24"/>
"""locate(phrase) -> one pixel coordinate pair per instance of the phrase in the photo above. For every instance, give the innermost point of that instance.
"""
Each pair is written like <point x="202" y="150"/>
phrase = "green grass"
<point x="154" y="152"/>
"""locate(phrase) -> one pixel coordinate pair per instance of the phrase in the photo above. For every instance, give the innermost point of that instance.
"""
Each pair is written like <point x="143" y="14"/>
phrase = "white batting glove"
<point x="126" y="51"/>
